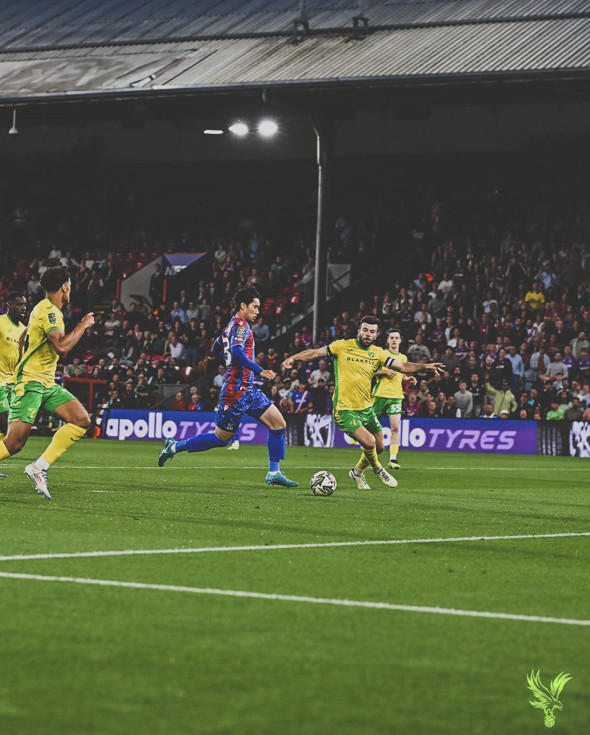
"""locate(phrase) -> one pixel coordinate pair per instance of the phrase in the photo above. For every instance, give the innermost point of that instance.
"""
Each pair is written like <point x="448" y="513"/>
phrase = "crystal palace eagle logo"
<point x="547" y="699"/>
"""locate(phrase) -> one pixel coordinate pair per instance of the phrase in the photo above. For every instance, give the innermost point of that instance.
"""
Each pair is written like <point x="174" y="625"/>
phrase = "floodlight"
<point x="239" y="128"/>
<point x="267" y="128"/>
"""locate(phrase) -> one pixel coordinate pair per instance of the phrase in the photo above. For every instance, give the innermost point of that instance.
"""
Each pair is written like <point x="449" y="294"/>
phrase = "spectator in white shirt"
<point x="446" y="284"/>
<point x="218" y="379"/>
<point x="322" y="373"/>
<point x="176" y="348"/>
<point x="557" y="367"/>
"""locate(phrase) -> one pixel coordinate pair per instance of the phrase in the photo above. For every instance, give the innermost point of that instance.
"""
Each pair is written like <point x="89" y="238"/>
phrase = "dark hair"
<point x="393" y="330"/>
<point x="54" y="278"/>
<point x="245" y="296"/>
<point x="12" y="297"/>
<point x="368" y="319"/>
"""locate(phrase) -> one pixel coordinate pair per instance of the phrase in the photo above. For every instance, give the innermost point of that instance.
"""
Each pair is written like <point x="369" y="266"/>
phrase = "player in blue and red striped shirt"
<point x="239" y="395"/>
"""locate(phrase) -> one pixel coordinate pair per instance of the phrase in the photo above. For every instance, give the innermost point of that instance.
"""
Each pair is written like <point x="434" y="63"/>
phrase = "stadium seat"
<point x="187" y="375"/>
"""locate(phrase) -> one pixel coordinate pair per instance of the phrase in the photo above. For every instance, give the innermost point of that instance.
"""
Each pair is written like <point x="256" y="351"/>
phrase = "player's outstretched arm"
<point x="62" y="342"/>
<point x="305" y="356"/>
<point x="415" y="367"/>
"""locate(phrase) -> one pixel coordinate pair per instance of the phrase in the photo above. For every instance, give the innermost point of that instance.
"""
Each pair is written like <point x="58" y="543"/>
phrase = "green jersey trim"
<point x="21" y="368"/>
<point x="335" y="399"/>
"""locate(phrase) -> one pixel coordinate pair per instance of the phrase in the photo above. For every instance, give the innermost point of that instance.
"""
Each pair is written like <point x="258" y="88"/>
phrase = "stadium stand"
<point x="492" y="282"/>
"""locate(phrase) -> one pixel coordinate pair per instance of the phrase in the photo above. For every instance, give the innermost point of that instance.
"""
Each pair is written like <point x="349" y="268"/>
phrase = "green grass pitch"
<point x="176" y="656"/>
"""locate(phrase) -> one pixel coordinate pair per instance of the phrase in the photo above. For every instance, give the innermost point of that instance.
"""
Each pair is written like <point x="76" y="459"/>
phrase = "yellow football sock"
<point x="3" y="451"/>
<point x="362" y="464"/>
<point x="62" y="440"/>
<point x="369" y="458"/>
<point x="2" y="436"/>
<point x="393" y="450"/>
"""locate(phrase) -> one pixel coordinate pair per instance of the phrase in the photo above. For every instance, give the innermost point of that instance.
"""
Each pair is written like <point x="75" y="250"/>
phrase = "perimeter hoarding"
<point x="159" y="425"/>
<point x="440" y="435"/>
<point x="461" y="435"/>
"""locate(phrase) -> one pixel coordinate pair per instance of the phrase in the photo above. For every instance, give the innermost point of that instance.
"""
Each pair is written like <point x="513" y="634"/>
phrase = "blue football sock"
<point x="276" y="448"/>
<point x="200" y="443"/>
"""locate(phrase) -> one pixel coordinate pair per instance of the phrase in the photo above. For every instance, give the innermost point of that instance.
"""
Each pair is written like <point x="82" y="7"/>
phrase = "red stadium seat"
<point x="187" y="374"/>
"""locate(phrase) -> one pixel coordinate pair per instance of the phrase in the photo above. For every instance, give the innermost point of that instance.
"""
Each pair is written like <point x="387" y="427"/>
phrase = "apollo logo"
<point x="457" y="439"/>
<point x="475" y="440"/>
<point x="154" y="427"/>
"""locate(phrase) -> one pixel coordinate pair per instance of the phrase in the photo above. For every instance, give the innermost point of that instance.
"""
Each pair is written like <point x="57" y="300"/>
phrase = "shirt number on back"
<point x="226" y="350"/>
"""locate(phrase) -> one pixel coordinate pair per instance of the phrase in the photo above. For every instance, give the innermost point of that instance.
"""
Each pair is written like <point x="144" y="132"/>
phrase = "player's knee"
<point x="83" y="421"/>
<point x="14" y="444"/>
<point x="369" y="443"/>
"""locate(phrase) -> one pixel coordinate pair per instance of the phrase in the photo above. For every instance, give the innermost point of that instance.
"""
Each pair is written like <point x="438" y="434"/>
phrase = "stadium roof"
<point x="116" y="47"/>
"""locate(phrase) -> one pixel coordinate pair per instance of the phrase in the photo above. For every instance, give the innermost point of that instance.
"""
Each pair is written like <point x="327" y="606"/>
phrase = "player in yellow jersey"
<point x="388" y="395"/>
<point x="11" y="329"/>
<point x="356" y="361"/>
<point x="35" y="387"/>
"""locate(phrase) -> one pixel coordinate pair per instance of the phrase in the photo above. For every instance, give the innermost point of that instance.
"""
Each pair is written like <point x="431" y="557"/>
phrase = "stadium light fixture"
<point x="212" y="131"/>
<point x="239" y="128"/>
<point x="267" y="128"/>
<point x="13" y="130"/>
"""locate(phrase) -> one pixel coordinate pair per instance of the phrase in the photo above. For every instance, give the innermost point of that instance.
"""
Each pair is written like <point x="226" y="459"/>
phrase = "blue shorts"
<point x="253" y="402"/>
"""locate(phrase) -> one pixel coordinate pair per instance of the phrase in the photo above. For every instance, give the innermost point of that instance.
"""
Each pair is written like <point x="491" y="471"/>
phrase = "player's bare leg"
<point x="394" y="423"/>
<point x="3" y="430"/>
<point x="16" y="438"/>
<point x="372" y="445"/>
<point x="274" y="420"/>
<point x="3" y="425"/>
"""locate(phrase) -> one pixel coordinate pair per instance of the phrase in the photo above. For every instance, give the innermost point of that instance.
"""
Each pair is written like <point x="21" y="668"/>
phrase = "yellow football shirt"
<point x="9" y="338"/>
<point x="535" y="300"/>
<point x="40" y="359"/>
<point x="386" y="387"/>
<point x="354" y="368"/>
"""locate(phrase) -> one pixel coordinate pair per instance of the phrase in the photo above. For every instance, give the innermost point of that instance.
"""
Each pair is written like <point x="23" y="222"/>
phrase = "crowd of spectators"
<point x="510" y="319"/>
<point x="510" y="323"/>
<point x="131" y="352"/>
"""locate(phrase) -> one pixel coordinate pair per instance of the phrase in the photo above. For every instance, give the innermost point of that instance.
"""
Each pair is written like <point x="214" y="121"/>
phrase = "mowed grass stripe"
<point x="298" y="598"/>
<point x="278" y="547"/>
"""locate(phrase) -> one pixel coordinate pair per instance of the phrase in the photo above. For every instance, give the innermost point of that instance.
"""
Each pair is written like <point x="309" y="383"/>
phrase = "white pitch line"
<point x="276" y="547"/>
<point x="300" y="598"/>
<point x="260" y="467"/>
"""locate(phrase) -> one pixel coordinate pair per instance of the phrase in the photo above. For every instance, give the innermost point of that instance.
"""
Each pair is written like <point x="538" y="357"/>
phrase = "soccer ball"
<point x="323" y="483"/>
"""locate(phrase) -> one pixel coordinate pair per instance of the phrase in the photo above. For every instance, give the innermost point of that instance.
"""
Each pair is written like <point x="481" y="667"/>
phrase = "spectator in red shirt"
<point x="196" y="404"/>
<point x="179" y="403"/>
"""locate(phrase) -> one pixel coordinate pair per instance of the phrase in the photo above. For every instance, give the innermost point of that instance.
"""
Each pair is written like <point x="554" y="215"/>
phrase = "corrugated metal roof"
<point x="409" y="52"/>
<point x="36" y="23"/>
<point x="431" y="39"/>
